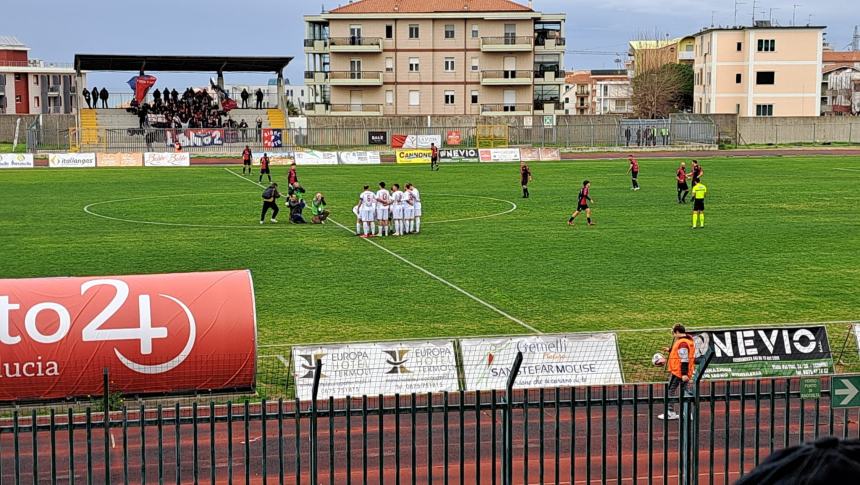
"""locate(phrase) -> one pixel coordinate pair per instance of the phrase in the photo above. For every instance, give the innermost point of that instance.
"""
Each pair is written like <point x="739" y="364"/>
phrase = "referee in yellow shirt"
<point x="699" y="192"/>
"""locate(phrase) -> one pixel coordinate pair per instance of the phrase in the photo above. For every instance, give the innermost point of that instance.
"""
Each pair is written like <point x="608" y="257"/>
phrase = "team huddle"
<point x="403" y="208"/>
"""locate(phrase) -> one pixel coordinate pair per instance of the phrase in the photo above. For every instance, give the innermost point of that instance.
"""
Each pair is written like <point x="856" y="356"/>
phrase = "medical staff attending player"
<point x="367" y="211"/>
<point x="383" y="200"/>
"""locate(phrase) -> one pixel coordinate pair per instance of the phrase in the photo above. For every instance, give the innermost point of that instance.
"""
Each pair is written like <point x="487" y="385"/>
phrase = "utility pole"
<point x="771" y="14"/>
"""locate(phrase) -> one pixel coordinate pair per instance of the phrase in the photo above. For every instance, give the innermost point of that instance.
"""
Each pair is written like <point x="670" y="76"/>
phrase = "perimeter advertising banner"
<point x="359" y="158"/>
<point x="376" y="368"/>
<point x="119" y="159"/>
<point x="413" y="156"/>
<point x="72" y="160"/>
<point x="313" y="157"/>
<point x="766" y="352"/>
<point x="153" y="159"/>
<point x="275" y="159"/>
<point x="459" y="155"/>
<point x="499" y="154"/>
<point x="415" y="141"/>
<point x="162" y="333"/>
<point x="16" y="160"/>
<point x="548" y="361"/>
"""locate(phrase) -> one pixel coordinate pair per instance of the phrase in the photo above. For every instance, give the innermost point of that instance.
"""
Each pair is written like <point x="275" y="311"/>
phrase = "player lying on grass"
<point x="582" y="204"/>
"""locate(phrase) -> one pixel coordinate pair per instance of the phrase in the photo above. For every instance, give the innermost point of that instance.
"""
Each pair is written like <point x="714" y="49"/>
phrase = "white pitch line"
<point x="419" y="268"/>
<point x="848" y="169"/>
<point x="88" y="210"/>
<point x="283" y="361"/>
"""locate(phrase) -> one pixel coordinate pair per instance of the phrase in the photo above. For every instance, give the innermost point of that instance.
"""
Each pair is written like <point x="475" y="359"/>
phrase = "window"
<point x="389" y="97"/>
<point x="36" y="101"/>
<point x="449" y="98"/>
<point x="449" y="31"/>
<point x="17" y="77"/>
<point x="36" y="80"/>
<point x="764" y="77"/>
<point x="766" y="45"/>
<point x="474" y="31"/>
<point x="413" y="31"/>
<point x="738" y="78"/>
<point x="475" y="64"/>
<point x="449" y="64"/>
<point x="389" y="31"/>
<point x="389" y="64"/>
<point x="740" y="46"/>
<point x="414" y="98"/>
<point x="414" y="66"/>
<point x="764" y="110"/>
<point x="474" y="97"/>
<point x="737" y="108"/>
<point x="17" y="97"/>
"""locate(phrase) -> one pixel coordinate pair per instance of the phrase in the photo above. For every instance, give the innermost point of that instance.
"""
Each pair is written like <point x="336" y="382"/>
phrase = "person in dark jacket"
<point x="627" y="136"/>
<point x="270" y="201"/>
<point x="245" y="95"/>
<point x="86" y="95"/>
<point x="156" y="98"/>
<point x="296" y="205"/>
<point x="175" y="95"/>
<point x="259" y="95"/>
<point x="103" y="95"/>
<point x="258" y="136"/>
<point x="95" y="97"/>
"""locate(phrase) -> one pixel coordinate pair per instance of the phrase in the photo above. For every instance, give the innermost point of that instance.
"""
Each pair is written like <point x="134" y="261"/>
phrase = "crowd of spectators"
<point x="170" y="109"/>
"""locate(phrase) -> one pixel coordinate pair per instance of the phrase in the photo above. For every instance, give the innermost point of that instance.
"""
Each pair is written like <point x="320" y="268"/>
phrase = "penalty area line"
<point x="419" y="268"/>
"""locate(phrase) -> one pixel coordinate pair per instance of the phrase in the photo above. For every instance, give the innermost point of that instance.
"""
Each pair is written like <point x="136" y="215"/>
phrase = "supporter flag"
<point x="227" y="104"/>
<point x="141" y="85"/>
<point x="272" y="138"/>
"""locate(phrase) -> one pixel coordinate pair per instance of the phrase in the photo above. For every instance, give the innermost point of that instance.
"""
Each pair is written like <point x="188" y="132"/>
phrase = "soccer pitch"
<point x="781" y="243"/>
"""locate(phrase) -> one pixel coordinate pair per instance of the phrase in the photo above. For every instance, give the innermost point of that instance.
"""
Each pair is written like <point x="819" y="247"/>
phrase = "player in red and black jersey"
<point x="696" y="172"/>
<point x="264" y="167"/>
<point x="633" y="170"/>
<point x="246" y="160"/>
<point x="681" y="178"/>
<point x="582" y="204"/>
<point x="434" y="157"/>
<point x="525" y="178"/>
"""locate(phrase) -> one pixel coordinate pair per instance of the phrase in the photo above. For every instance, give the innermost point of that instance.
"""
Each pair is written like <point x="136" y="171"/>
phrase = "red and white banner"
<point x="415" y="141"/>
<point x="154" y="333"/>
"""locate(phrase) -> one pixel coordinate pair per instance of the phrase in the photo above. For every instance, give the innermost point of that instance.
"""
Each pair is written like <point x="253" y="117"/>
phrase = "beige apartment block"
<point x="758" y="71"/>
<point x="420" y="57"/>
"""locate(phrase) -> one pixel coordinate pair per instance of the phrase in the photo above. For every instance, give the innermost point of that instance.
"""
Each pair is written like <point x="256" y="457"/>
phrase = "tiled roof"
<point x="578" y="77"/>
<point x="833" y="56"/>
<point x="429" y="6"/>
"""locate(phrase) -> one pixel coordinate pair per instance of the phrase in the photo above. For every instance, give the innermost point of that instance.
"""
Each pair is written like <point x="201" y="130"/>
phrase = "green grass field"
<point x="781" y="244"/>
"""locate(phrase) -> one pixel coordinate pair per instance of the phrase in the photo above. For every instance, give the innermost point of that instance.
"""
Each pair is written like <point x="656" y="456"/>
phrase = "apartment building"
<point x="32" y="86"/>
<point x="599" y="92"/>
<point x="441" y="57"/>
<point x="650" y="55"/>
<point x="758" y="71"/>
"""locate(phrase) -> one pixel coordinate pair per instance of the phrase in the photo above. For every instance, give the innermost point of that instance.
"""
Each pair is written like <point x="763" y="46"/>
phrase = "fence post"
<point x="314" y="465"/>
<point x="689" y="436"/>
<point x="508" y="424"/>
<point x="106" y="420"/>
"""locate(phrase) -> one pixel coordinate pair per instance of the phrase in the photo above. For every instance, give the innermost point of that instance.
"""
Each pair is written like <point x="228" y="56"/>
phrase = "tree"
<point x="658" y="93"/>
<point x="291" y="109"/>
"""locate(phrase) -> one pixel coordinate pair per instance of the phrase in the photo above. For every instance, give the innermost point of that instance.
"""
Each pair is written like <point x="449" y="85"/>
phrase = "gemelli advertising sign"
<point x="766" y="352"/>
<point x="376" y="368"/>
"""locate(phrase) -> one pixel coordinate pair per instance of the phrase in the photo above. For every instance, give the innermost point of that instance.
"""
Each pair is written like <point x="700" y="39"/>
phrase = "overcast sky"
<point x="57" y="29"/>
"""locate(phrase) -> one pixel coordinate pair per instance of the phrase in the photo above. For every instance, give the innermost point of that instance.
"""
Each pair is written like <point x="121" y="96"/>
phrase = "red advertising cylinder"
<point x="167" y="333"/>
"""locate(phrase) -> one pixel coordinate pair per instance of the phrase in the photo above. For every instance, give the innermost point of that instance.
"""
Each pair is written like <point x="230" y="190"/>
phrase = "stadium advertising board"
<point x="550" y="154"/>
<point x="415" y="141"/>
<point x="196" y="137"/>
<point x="154" y="333"/>
<point x="459" y="155"/>
<point x="548" y="361"/>
<point x="275" y="159"/>
<point x="16" y="160"/>
<point x="529" y="154"/>
<point x="857" y="335"/>
<point x="119" y="159"/>
<point x="377" y="138"/>
<point x="499" y="154"/>
<point x="72" y="160"/>
<point x="413" y="156"/>
<point x="359" y="158"/>
<point x="766" y="352"/>
<point x="313" y="157"/>
<point x="161" y="159"/>
<point x="453" y="138"/>
<point x="376" y="368"/>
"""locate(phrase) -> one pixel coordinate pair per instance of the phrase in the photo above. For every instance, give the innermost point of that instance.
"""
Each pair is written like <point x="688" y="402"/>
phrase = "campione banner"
<point x="166" y="333"/>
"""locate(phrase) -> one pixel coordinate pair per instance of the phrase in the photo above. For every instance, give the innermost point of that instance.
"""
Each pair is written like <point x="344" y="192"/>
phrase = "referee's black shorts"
<point x="698" y="204"/>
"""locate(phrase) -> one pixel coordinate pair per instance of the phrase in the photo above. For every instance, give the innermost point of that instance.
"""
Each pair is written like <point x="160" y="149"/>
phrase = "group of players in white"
<point x="403" y="208"/>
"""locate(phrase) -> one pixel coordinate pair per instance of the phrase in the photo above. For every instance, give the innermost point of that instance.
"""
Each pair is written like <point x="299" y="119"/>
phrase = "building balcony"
<point x="506" y="109"/>
<point x="355" y="78"/>
<point x="356" y="109"/>
<point x="506" y="78"/>
<point x="582" y="91"/>
<point x="53" y="90"/>
<point x="508" y="43"/>
<point x="316" y="45"/>
<point x="355" y="45"/>
<point x="551" y="76"/>
<point x="316" y="77"/>
<point x="549" y="44"/>
<point x="542" y="107"/>
<point x="687" y="56"/>
<point x="317" y="109"/>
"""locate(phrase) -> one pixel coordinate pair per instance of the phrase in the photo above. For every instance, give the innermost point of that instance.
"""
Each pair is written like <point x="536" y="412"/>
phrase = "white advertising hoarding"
<point x="72" y="160"/>
<point x="548" y="361"/>
<point x="313" y="157"/>
<point x="422" y="141"/>
<point x="151" y="159"/>
<point x="499" y="154"/>
<point x="359" y="158"/>
<point x="16" y="160"/>
<point x="376" y="368"/>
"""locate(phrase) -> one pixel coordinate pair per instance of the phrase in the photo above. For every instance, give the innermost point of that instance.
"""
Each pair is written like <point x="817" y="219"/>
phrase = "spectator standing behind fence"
<point x="664" y="132"/>
<point x="680" y="365"/>
<point x="639" y="137"/>
<point x="103" y="94"/>
<point x="258" y="136"/>
<point x="245" y="95"/>
<point x="87" y="98"/>
<point x="243" y="129"/>
<point x="259" y="95"/>
<point x="627" y="136"/>
<point x="95" y="97"/>
<point x="156" y="98"/>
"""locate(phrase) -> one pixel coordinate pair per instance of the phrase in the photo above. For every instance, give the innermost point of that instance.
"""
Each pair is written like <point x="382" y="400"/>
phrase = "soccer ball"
<point x="658" y="360"/>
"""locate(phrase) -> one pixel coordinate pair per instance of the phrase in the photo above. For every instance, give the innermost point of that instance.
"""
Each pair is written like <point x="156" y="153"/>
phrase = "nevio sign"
<point x="766" y="352"/>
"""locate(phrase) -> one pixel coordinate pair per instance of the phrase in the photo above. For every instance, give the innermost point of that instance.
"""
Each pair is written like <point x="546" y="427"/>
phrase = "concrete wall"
<point x="765" y="130"/>
<point x="49" y="123"/>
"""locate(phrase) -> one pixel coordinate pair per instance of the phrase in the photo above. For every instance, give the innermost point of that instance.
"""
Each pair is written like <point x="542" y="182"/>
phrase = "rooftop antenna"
<point x="753" y="12"/>
<point x="794" y="13"/>
<point x="855" y="41"/>
<point x="809" y="20"/>
<point x="771" y="13"/>
<point x="713" y="12"/>
<point x="736" y="12"/>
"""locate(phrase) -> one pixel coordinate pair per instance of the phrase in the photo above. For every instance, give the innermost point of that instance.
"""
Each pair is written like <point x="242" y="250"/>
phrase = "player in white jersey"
<point x="408" y="209"/>
<point x="383" y="200"/>
<point x="397" y="209"/>
<point x="367" y="211"/>
<point x="416" y="197"/>
<point x="357" y="219"/>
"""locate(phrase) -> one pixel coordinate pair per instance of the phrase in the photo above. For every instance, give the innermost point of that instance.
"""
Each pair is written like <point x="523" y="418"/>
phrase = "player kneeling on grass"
<point x="397" y="209"/>
<point x="383" y="199"/>
<point x="367" y="211"/>
<point x="582" y="204"/>
<point x="270" y="201"/>
<point x="680" y="364"/>
<point x="296" y="206"/>
<point x="699" y="193"/>
<point x="318" y="211"/>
